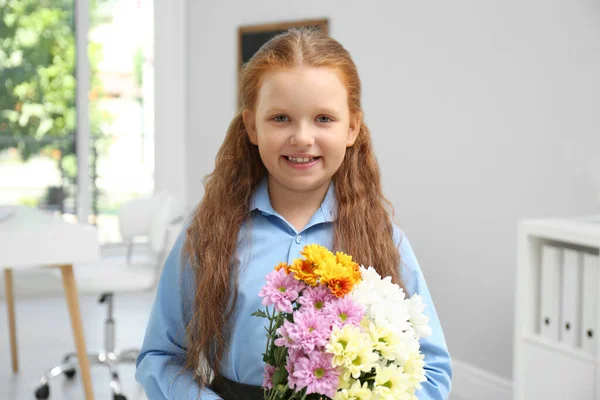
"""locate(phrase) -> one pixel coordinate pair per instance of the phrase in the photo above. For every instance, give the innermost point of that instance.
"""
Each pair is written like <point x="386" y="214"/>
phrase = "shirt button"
<point x="299" y="239"/>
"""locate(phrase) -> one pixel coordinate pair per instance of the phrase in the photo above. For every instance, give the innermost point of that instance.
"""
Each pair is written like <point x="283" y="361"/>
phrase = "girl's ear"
<point x="250" y="124"/>
<point x="354" y="128"/>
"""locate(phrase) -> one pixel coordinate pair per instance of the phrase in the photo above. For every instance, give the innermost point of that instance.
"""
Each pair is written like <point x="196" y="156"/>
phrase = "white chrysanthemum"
<point x="346" y="383"/>
<point x="407" y="344"/>
<point x="387" y="306"/>
<point x="391" y="383"/>
<point x="355" y="392"/>
<point x="384" y="341"/>
<point x="344" y="344"/>
<point x="394" y="325"/>
<point x="414" y="369"/>
<point x="417" y="318"/>
<point x="364" y="361"/>
<point x="390" y="314"/>
<point x="375" y="288"/>
<point x="383" y="301"/>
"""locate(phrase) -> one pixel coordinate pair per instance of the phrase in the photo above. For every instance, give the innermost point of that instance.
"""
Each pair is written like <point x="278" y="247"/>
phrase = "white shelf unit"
<point x="545" y="368"/>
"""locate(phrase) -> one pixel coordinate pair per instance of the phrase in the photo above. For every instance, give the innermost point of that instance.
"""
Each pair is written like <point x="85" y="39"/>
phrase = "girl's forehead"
<point x="314" y="84"/>
<point x="307" y="73"/>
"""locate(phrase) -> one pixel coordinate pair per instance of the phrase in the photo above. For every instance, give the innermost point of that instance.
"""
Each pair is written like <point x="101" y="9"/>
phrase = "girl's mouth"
<point x="301" y="163"/>
<point x="301" y="160"/>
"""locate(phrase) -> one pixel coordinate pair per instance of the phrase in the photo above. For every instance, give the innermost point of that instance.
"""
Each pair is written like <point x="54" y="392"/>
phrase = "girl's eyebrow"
<point x="275" y="110"/>
<point x="321" y="110"/>
<point x="326" y="110"/>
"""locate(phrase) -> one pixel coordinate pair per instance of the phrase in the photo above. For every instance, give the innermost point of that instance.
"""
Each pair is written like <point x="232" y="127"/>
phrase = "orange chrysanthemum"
<point x="338" y="278"/>
<point x="304" y="271"/>
<point x="341" y="286"/>
<point x="284" y="265"/>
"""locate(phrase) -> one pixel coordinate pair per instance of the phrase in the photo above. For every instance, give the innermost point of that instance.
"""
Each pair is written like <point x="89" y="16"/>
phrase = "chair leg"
<point x="12" y="323"/>
<point x="128" y="355"/>
<point x="94" y="358"/>
<point x="115" y="383"/>
<point x="56" y="371"/>
<point x="68" y="356"/>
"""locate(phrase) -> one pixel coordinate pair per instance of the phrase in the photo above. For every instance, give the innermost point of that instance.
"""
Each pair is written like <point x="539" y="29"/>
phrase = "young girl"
<point x="296" y="167"/>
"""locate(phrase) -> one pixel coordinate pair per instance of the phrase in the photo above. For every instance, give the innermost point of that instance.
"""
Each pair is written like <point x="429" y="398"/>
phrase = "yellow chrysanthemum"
<point x="283" y="265"/>
<point x="317" y="254"/>
<point x="338" y="278"/>
<point x="331" y="270"/>
<point x="356" y="274"/>
<point x="343" y="258"/>
<point x="304" y="271"/>
<point x="346" y="261"/>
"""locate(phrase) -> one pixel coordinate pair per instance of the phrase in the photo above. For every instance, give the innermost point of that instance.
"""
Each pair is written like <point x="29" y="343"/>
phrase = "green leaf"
<point x="279" y="376"/>
<point x="259" y="313"/>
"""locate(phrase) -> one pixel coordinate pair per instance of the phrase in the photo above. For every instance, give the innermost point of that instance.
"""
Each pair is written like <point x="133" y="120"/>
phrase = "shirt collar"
<point x="260" y="201"/>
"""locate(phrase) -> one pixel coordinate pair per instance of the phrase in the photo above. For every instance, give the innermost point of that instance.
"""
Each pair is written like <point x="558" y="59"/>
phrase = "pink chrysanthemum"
<point x="292" y="359"/>
<point x="284" y="339"/>
<point x="316" y="297"/>
<point x="281" y="289"/>
<point x="315" y="373"/>
<point x="345" y="311"/>
<point x="310" y="330"/>
<point x="268" y="376"/>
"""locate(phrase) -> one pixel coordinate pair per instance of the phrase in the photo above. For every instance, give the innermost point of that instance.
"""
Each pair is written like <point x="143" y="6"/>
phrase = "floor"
<point x="44" y="336"/>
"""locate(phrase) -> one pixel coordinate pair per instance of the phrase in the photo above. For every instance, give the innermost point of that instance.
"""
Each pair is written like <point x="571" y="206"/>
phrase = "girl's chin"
<point x="301" y="184"/>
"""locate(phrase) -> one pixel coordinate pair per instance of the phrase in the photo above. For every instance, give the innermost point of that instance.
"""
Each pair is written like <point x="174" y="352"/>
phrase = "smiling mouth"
<point x="301" y="160"/>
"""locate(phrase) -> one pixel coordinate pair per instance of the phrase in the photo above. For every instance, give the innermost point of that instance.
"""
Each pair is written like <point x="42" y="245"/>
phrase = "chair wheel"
<point x="43" y="392"/>
<point x="69" y="373"/>
<point x="119" y="397"/>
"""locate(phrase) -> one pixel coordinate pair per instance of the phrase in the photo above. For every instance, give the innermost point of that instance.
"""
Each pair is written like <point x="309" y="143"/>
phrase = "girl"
<point x="296" y="167"/>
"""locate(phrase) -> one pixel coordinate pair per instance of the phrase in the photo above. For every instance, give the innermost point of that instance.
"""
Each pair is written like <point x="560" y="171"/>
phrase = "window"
<point x="76" y="137"/>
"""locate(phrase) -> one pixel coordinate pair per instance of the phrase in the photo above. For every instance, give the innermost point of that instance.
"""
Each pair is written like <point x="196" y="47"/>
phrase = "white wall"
<point x="482" y="114"/>
<point x="170" y="88"/>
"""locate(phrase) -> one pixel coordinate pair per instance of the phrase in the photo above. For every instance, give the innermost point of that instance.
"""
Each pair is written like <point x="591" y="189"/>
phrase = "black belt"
<point x="230" y="390"/>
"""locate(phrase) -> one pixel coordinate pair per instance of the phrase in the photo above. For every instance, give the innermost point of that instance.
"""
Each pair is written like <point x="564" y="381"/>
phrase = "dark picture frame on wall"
<point x="252" y="37"/>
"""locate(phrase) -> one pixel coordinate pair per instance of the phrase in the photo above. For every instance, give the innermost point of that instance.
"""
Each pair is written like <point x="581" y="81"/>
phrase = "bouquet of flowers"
<point x="337" y="330"/>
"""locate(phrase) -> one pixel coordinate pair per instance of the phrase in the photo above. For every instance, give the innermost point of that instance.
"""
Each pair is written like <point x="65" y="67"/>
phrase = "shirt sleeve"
<point x="438" y="363"/>
<point x="160" y="364"/>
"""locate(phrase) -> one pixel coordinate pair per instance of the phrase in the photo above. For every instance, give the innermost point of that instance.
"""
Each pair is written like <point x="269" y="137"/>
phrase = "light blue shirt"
<point x="272" y="240"/>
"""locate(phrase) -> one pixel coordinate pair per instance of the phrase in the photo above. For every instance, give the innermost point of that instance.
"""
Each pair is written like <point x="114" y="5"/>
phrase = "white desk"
<point x="31" y="237"/>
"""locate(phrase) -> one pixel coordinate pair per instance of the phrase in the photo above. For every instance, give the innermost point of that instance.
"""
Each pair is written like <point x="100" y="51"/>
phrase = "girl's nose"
<point x="302" y="136"/>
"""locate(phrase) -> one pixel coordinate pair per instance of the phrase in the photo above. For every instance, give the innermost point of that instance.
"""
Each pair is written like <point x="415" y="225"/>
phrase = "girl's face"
<point x="302" y="126"/>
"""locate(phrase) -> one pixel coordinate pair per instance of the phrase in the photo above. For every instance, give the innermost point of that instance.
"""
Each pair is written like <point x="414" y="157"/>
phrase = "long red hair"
<point x="363" y="227"/>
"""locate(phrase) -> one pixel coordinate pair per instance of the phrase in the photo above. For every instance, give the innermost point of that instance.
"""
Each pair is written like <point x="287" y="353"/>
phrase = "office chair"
<point x="158" y="217"/>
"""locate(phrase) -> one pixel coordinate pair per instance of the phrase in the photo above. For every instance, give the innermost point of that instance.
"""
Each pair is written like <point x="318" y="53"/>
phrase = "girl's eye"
<point x="324" y="119"/>
<point x="280" y="118"/>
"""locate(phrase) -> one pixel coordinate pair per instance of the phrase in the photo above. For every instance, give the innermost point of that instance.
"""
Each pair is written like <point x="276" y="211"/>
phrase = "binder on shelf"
<point x="589" y="333"/>
<point x="550" y="292"/>
<point x="571" y="306"/>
